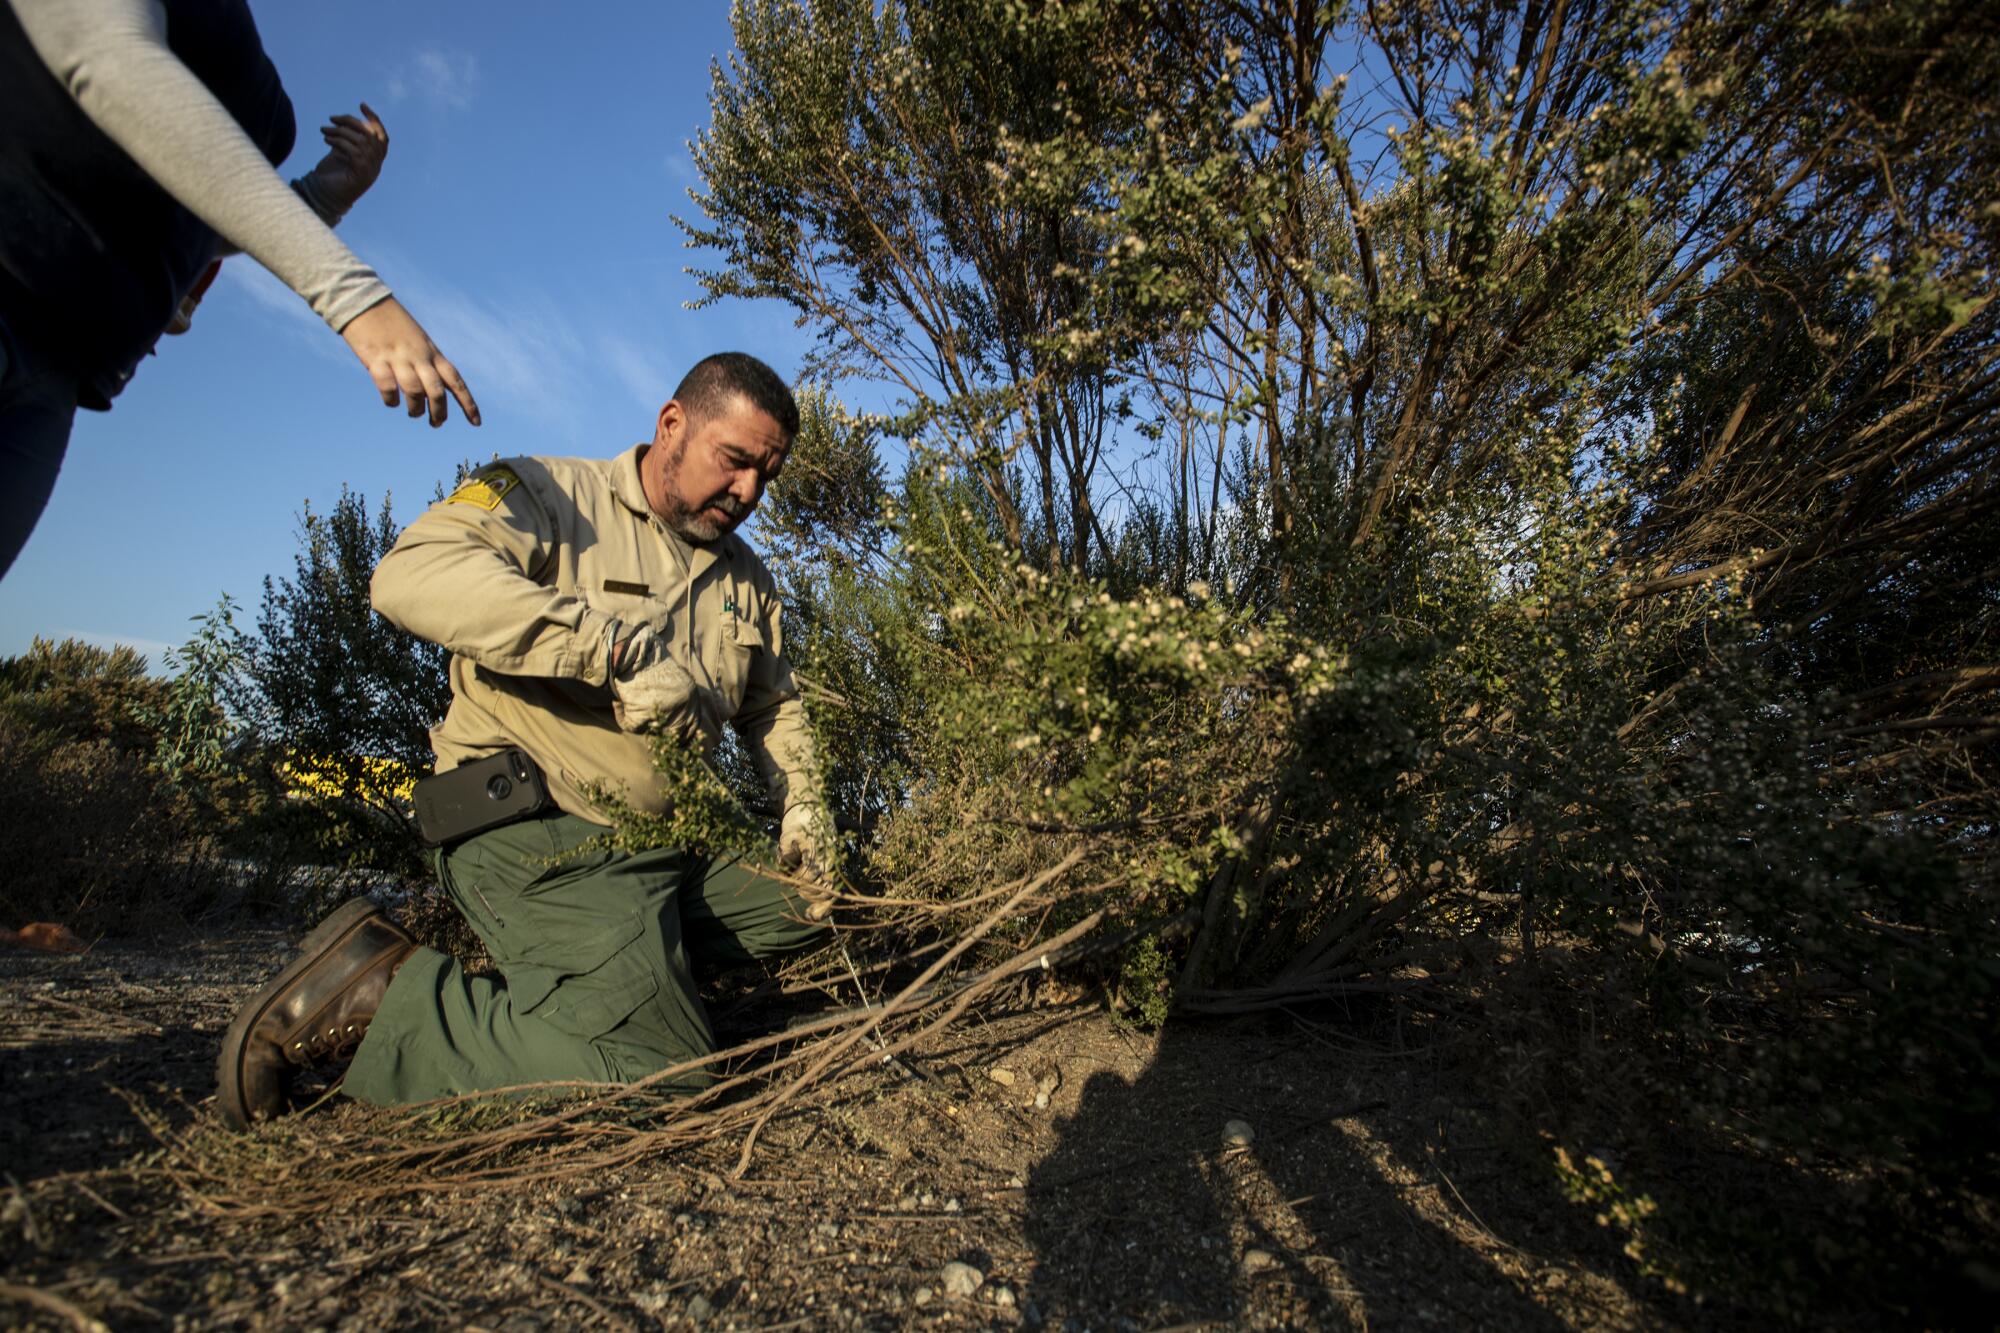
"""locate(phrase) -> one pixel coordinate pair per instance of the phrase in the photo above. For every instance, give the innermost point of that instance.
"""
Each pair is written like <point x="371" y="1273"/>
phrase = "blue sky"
<point x="523" y="217"/>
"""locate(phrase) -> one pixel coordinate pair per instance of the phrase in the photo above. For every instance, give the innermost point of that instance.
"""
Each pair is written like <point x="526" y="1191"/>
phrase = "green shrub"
<point x="98" y="841"/>
<point x="77" y="691"/>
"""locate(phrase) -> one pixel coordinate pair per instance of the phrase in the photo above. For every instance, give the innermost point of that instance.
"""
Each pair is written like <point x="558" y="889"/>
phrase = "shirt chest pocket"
<point x="736" y="656"/>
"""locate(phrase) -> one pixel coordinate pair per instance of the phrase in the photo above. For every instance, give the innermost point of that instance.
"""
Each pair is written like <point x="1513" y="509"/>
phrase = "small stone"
<point x="1048" y="1083"/>
<point x="578" y="1276"/>
<point x="1041" y="1101"/>
<point x="652" y="1302"/>
<point x="1238" y="1134"/>
<point x="961" y="1279"/>
<point x="1554" y="1279"/>
<point x="1003" y="1296"/>
<point x="921" y="1296"/>
<point x="1004" y="1077"/>
<point x="699" y="1309"/>
<point x="1256" y="1261"/>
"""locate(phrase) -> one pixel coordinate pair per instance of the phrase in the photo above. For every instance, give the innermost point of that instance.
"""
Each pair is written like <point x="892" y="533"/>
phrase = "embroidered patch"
<point x="620" y="585"/>
<point x="486" y="490"/>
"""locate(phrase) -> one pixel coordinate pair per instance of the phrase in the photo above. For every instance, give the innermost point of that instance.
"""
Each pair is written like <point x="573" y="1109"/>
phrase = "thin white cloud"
<point x="445" y="77"/>
<point x="645" y="375"/>
<point x="521" y="353"/>
<point x="530" y="353"/>
<point x="153" y="650"/>
<point x="245" y="277"/>
<point x="518" y="350"/>
<point x="526" y="357"/>
<point x="265" y="291"/>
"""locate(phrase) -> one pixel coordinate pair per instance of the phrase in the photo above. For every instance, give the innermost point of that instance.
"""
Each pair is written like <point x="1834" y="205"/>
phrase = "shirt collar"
<point x="625" y="483"/>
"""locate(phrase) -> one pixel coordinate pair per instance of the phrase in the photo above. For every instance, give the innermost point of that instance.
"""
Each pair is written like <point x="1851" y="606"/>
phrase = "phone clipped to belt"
<point x="480" y="795"/>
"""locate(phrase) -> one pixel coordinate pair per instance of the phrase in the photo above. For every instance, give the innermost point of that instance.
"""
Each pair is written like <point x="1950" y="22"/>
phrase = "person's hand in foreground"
<point x="405" y="365"/>
<point x="355" y="149"/>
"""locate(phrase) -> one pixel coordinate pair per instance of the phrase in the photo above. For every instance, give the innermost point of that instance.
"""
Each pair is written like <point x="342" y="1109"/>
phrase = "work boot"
<point x="312" y="1013"/>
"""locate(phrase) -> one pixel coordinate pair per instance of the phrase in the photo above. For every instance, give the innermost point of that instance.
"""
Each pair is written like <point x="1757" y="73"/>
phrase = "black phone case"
<point x="477" y="796"/>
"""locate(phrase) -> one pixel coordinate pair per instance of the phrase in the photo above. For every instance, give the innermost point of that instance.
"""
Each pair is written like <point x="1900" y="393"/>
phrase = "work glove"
<point x="804" y="837"/>
<point x="805" y="844"/>
<point x="650" y="691"/>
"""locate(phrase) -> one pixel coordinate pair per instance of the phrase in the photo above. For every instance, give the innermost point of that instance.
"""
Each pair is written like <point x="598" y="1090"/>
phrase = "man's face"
<point x="704" y="477"/>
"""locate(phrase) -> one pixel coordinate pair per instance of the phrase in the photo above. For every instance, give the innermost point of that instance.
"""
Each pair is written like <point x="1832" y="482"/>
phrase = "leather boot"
<point x="313" y="1012"/>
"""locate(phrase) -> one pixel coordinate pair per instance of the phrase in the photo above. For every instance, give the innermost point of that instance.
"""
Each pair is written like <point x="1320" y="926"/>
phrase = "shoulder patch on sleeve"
<point x="486" y="488"/>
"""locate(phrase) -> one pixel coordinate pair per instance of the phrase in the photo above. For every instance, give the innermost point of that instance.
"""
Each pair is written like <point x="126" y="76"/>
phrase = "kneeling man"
<point x="586" y="603"/>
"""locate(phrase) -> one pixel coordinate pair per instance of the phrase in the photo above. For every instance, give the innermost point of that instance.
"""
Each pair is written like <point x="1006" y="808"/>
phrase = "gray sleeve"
<point x="112" y="56"/>
<point x="303" y="188"/>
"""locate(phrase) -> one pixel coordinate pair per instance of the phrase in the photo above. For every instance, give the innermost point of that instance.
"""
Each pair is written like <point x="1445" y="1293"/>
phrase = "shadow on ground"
<point x="1143" y="1217"/>
<point x="77" y="1029"/>
<point x="1078" y="1165"/>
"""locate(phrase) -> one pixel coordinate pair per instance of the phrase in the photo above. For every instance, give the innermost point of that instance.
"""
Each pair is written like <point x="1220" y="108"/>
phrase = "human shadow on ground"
<point x="142" y="1019"/>
<point x="1143" y="1218"/>
<point x="58" y="1110"/>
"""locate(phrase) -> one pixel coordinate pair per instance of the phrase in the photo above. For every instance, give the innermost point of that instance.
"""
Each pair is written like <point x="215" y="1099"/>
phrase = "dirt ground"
<point x="1084" y="1172"/>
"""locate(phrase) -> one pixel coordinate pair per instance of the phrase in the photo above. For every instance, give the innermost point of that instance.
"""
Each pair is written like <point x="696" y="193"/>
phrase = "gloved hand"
<point x="804" y="837"/>
<point x="650" y="691"/>
<point x="805" y="841"/>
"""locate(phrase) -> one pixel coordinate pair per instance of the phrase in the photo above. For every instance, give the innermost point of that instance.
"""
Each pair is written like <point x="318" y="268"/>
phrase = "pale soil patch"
<point x="1089" y="1183"/>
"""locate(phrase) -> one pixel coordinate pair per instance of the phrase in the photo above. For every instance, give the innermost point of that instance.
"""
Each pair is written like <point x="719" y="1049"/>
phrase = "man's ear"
<point x="673" y="420"/>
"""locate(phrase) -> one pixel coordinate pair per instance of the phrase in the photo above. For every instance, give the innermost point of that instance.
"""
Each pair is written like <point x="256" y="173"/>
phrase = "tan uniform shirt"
<point x="520" y="574"/>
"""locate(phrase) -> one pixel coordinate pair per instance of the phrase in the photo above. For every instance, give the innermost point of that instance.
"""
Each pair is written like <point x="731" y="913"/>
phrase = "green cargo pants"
<point x="592" y="948"/>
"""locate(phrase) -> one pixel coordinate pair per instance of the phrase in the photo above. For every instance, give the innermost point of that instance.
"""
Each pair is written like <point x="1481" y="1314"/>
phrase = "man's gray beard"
<point x="691" y="527"/>
<point x="688" y="524"/>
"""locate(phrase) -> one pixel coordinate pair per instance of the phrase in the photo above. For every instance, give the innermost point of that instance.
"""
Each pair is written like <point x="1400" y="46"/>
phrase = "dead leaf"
<point x="45" y="936"/>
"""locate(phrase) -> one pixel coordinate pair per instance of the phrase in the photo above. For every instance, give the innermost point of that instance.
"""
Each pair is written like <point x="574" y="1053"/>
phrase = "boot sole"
<point x="229" y="1062"/>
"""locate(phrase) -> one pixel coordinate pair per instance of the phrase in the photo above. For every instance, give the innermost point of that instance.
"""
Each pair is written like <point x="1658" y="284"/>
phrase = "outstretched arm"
<point x="113" y="57"/>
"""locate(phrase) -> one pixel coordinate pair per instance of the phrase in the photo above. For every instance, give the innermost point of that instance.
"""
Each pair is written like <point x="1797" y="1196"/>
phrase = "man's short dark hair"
<point x="716" y="380"/>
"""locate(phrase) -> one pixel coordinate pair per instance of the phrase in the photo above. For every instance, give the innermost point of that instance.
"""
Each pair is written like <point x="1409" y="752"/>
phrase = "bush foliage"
<point x="100" y="839"/>
<point x="1492" y="503"/>
<point x="269" y="770"/>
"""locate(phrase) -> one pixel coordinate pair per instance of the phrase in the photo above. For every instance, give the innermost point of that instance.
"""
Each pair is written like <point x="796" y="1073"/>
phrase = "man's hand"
<point x="403" y="362"/>
<point x="805" y="842"/>
<point x="353" y="161"/>
<point x="650" y="691"/>
<point x="804" y="839"/>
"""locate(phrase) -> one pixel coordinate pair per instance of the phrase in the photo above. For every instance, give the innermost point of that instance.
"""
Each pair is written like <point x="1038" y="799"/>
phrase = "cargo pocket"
<point x="586" y="987"/>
